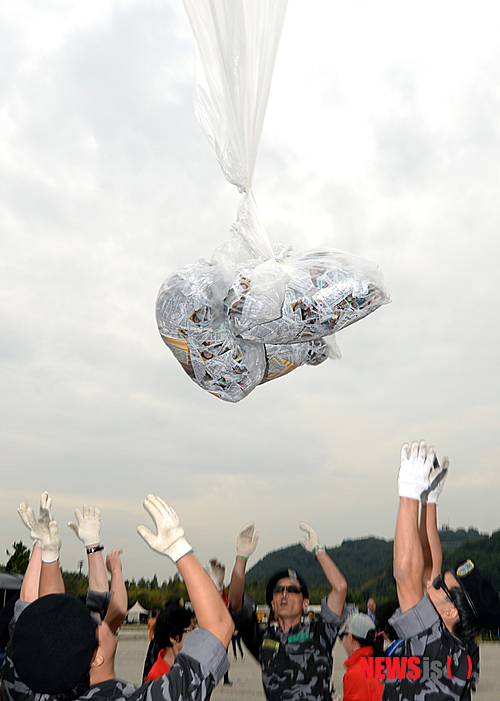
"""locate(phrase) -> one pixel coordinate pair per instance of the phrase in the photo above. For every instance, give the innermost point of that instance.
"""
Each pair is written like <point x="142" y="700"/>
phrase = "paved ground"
<point x="133" y="642"/>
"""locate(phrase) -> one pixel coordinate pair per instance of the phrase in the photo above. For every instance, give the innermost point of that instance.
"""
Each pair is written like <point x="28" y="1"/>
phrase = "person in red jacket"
<point x="172" y="624"/>
<point x="357" y="635"/>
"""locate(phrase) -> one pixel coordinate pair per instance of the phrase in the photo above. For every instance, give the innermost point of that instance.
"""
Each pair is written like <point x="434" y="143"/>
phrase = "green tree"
<point x="19" y="558"/>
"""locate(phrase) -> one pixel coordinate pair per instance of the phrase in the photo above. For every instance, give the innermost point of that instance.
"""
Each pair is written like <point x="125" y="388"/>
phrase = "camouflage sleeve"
<point x="194" y="674"/>
<point x="331" y="622"/>
<point x="98" y="601"/>
<point x="420" y="617"/>
<point x="248" y="627"/>
<point x="474" y="654"/>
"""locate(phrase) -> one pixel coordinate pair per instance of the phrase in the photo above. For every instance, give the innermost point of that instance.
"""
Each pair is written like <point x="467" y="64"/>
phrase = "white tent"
<point x="135" y="613"/>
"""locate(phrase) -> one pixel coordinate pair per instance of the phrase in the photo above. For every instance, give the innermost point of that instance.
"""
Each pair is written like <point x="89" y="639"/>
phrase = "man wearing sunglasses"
<point x="439" y="614"/>
<point x="295" y="655"/>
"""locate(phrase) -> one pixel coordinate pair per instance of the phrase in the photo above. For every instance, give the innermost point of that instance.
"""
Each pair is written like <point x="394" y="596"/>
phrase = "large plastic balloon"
<point x="254" y="312"/>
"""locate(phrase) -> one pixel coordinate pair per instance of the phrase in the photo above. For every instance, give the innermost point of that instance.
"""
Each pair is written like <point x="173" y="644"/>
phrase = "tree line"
<point x="366" y="563"/>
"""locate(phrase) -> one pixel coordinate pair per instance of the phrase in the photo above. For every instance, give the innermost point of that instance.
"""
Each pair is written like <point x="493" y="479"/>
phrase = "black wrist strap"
<point x="95" y="550"/>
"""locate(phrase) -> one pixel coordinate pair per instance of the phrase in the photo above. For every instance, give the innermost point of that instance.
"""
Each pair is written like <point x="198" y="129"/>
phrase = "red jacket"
<point x="159" y="668"/>
<point x="356" y="686"/>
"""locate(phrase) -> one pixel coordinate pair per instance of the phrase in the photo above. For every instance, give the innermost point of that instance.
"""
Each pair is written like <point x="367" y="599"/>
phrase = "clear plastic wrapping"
<point x="282" y="359"/>
<point x="326" y="290"/>
<point x="253" y="313"/>
<point x="199" y="337"/>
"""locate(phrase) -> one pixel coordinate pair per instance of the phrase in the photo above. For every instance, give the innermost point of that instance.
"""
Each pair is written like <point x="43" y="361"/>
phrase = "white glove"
<point x="88" y="528"/>
<point x="50" y="543"/>
<point x="416" y="465"/>
<point x="437" y="479"/>
<point x="217" y="572"/>
<point x="36" y="527"/>
<point x="311" y="542"/>
<point x="246" y="542"/>
<point x="44" y="530"/>
<point x="170" y="537"/>
<point x="44" y="514"/>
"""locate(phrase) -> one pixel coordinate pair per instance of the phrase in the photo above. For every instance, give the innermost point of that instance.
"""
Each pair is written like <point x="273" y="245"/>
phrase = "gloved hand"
<point x="36" y="526"/>
<point x="416" y="465"/>
<point x="44" y="530"/>
<point x="50" y="543"/>
<point x="311" y="542"/>
<point x="44" y="514"/>
<point x="437" y="479"/>
<point x="170" y="537"/>
<point x="246" y="542"/>
<point x="88" y="528"/>
<point x="217" y="572"/>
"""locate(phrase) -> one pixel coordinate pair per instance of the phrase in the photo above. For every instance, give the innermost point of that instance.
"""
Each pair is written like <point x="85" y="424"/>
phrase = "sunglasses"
<point x="291" y="589"/>
<point x="439" y="583"/>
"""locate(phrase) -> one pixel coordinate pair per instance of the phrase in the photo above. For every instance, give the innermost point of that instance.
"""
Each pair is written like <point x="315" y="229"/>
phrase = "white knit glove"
<point x="416" y="465"/>
<point x="170" y="537"/>
<point x="217" y="572"/>
<point x="437" y="479"/>
<point x="36" y="526"/>
<point x="44" y="530"/>
<point x="246" y="542"/>
<point x="311" y="542"/>
<point x="44" y="514"/>
<point x="50" y="543"/>
<point x="88" y="528"/>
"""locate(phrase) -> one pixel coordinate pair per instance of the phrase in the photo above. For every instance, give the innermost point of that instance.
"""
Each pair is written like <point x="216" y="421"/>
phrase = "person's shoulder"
<point x="326" y="616"/>
<point x="111" y="689"/>
<point x="417" y="619"/>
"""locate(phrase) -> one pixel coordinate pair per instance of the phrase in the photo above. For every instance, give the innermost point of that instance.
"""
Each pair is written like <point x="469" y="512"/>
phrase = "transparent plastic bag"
<point x="326" y="291"/>
<point x="237" y="45"/>
<point x="253" y="313"/>
<point x="282" y="359"/>
<point x="200" y="339"/>
<point x="249" y="242"/>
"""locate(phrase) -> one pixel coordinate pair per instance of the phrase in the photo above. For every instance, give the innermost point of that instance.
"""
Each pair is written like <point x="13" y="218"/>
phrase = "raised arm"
<point x="246" y="543"/>
<point x="31" y="580"/>
<point x="208" y="605"/>
<point x="88" y="529"/>
<point x="408" y="556"/>
<point x="44" y="530"/>
<point x="429" y="535"/>
<point x="336" y="598"/>
<point x="117" y="609"/>
<point x="51" y="581"/>
<point x="414" y="483"/>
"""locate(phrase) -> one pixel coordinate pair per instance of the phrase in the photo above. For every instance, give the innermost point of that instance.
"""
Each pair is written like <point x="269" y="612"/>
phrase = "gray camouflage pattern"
<point x="296" y="664"/>
<point x="436" y="643"/>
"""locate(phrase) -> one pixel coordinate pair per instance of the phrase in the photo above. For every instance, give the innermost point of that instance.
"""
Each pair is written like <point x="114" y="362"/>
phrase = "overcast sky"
<point x="382" y="138"/>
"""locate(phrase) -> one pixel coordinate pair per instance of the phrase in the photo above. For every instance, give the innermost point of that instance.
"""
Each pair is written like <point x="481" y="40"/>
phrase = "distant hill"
<point x="452" y="539"/>
<point x="358" y="560"/>
<point x="366" y="563"/>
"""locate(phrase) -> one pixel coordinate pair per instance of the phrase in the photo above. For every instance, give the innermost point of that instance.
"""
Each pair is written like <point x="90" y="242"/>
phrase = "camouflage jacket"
<point x="426" y="637"/>
<point x="296" y="664"/>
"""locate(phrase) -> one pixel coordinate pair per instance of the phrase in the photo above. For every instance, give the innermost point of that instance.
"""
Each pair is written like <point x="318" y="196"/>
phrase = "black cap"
<point x="480" y="593"/>
<point x="53" y="643"/>
<point x="283" y="574"/>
